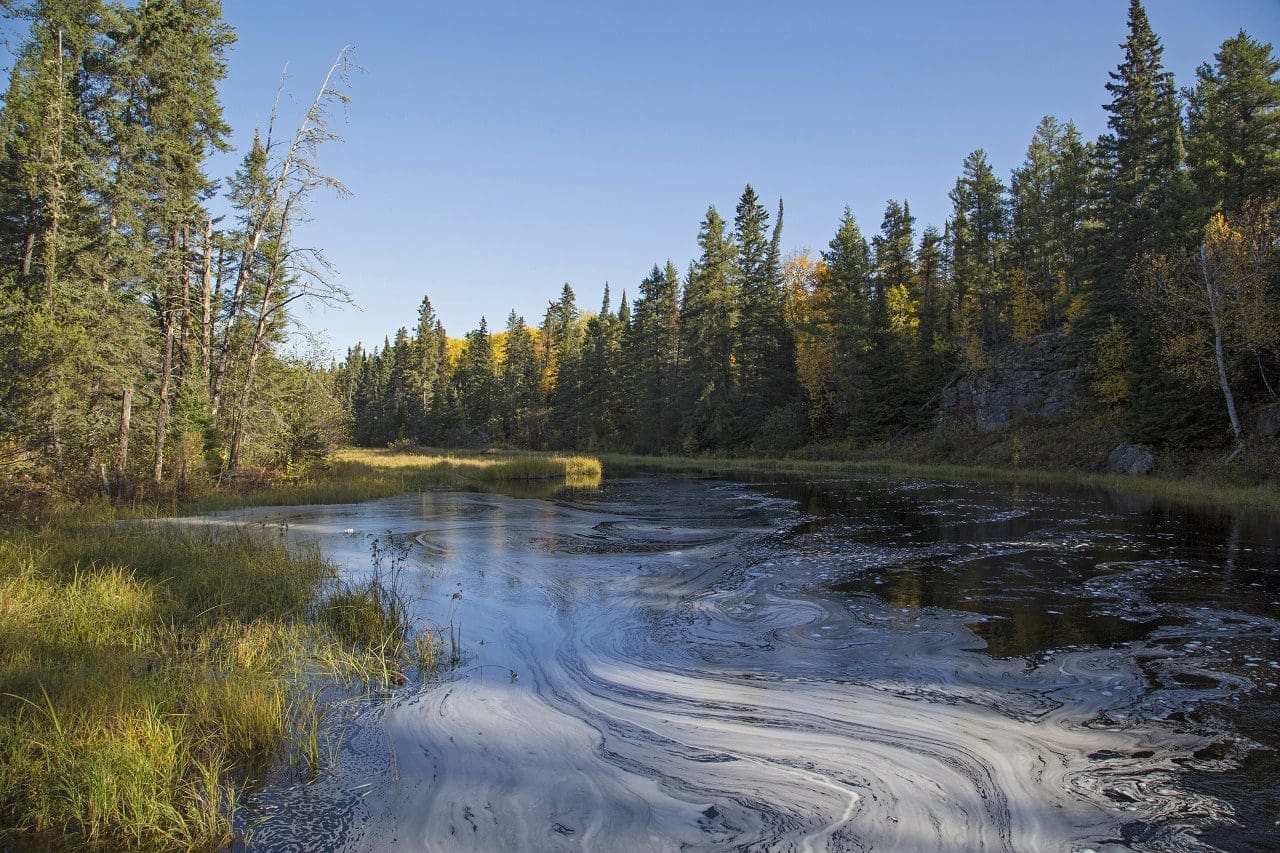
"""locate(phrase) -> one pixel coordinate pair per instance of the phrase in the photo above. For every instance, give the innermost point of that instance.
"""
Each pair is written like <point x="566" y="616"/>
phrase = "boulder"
<point x="1269" y="421"/>
<point x="1132" y="459"/>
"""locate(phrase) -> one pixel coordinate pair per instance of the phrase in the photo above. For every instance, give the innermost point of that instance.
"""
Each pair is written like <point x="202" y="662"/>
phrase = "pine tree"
<point x="979" y="228"/>
<point x="1145" y="188"/>
<point x="519" y="382"/>
<point x="933" y="347"/>
<point x="1234" y="119"/>
<point x="561" y="344"/>
<point x="847" y="292"/>
<point x="476" y="384"/>
<point x="424" y="373"/>
<point x="653" y="358"/>
<point x="598" y="376"/>
<point x="890" y="401"/>
<point x="765" y="353"/>
<point x="709" y="328"/>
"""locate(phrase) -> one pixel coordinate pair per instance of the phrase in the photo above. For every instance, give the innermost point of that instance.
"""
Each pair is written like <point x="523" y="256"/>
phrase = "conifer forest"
<point x="143" y="335"/>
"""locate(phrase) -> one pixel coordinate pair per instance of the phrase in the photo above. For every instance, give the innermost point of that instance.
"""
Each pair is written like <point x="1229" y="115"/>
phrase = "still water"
<point x="843" y="664"/>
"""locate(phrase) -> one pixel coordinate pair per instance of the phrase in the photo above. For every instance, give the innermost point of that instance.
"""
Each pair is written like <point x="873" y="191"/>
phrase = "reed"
<point x="147" y="673"/>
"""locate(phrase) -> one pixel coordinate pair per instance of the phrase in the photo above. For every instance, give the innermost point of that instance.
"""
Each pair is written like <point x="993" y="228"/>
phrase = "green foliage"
<point x="108" y="259"/>
<point x="1233" y="140"/>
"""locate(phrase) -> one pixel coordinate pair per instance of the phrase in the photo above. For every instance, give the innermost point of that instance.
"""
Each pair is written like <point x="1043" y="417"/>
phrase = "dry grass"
<point x="147" y="673"/>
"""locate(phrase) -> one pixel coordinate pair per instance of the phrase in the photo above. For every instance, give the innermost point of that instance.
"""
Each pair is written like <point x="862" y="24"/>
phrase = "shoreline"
<point x="1190" y="491"/>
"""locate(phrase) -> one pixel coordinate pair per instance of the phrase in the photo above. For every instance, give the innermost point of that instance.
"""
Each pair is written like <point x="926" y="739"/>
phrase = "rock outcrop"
<point x="1034" y="380"/>
<point x="1269" y="420"/>
<point x="1133" y="459"/>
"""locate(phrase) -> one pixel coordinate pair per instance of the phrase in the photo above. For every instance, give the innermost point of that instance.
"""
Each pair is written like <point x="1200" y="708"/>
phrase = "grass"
<point x="352" y="475"/>
<point x="148" y="674"/>
<point x="1194" y="491"/>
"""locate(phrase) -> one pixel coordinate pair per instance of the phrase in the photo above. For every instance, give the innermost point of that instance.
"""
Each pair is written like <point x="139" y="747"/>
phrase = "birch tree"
<point x="1215" y="303"/>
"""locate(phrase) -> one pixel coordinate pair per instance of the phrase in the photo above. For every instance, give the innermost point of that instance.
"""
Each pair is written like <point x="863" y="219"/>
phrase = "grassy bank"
<point x="148" y="674"/>
<point x="361" y="474"/>
<point x="1191" y="490"/>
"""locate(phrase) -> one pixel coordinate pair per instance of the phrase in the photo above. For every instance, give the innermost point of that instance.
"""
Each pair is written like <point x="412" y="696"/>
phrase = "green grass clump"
<point x="574" y="469"/>
<point x="147" y="673"/>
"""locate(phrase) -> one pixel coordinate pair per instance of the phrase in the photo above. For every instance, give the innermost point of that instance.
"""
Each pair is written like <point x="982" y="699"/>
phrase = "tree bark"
<point x="162" y="410"/>
<point x="1214" y="298"/>
<point x="122" y="440"/>
<point x="206" y="302"/>
<point x="27" y="251"/>
<point x="237" y="433"/>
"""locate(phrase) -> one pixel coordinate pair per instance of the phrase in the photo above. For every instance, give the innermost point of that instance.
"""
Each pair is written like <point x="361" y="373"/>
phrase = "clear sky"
<point x="497" y="150"/>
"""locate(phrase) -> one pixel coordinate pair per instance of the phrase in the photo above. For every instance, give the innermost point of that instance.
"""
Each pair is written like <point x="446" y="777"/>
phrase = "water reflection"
<point x="845" y="664"/>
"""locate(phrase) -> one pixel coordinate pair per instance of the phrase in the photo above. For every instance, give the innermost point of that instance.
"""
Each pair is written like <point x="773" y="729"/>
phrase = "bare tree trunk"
<point x="1214" y="298"/>
<point x="237" y="432"/>
<point x="206" y="302"/>
<point x="122" y="440"/>
<point x="262" y="219"/>
<point x="27" y="251"/>
<point x="162" y="410"/>
<point x="182" y="239"/>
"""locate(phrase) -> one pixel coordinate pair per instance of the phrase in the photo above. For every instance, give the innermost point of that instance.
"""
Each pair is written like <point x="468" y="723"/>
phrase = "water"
<point x="844" y="665"/>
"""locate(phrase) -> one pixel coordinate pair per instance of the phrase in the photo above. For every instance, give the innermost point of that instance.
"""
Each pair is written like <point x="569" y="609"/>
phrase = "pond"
<point x="836" y="664"/>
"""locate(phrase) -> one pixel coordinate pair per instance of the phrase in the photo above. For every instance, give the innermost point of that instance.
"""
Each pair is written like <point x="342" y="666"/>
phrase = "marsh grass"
<point x="1191" y="491"/>
<point x="147" y="674"/>
<point x="361" y="474"/>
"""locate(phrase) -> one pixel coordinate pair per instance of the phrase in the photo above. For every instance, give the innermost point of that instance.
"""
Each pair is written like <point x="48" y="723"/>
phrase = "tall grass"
<point x="1190" y="490"/>
<point x="147" y="674"/>
<point x="361" y="474"/>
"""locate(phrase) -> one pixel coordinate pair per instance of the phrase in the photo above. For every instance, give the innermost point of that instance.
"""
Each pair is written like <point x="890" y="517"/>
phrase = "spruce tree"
<point x="765" y="355"/>
<point x="1233" y="143"/>
<point x="847" y="292"/>
<point x="476" y="384"/>
<point x="424" y="374"/>
<point x="709" y="329"/>
<point x="891" y="401"/>
<point x="979" y="228"/>
<point x="519" y="383"/>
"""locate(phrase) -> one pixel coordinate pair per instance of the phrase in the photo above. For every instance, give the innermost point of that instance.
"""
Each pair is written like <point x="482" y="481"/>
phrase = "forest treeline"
<point x="142" y="332"/>
<point x="146" y="319"/>
<point x="1153" y="246"/>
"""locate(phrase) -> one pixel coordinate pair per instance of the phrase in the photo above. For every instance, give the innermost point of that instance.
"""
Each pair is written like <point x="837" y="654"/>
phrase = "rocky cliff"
<point x="1031" y="380"/>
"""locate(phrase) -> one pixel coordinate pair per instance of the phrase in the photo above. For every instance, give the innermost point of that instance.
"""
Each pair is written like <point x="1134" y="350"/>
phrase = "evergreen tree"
<point x="845" y="318"/>
<point x="765" y="354"/>
<point x="598" y="376"/>
<point x="1147" y="209"/>
<point x="424" y="373"/>
<point x="1141" y="160"/>
<point x="979" y="227"/>
<point x="933" y="346"/>
<point x="653" y="356"/>
<point x="519" y="382"/>
<point x="709" y="328"/>
<point x="890" y="400"/>
<point x="561" y="340"/>
<point x="1234" y="118"/>
<point x="476" y="381"/>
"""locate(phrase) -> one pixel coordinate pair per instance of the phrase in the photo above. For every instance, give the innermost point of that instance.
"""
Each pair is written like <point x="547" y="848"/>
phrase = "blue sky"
<point x="497" y="150"/>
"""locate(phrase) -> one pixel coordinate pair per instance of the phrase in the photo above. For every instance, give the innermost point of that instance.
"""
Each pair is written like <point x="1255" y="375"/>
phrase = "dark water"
<point x="846" y="665"/>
